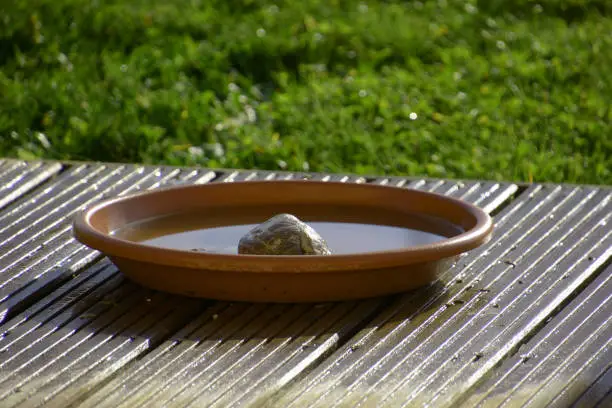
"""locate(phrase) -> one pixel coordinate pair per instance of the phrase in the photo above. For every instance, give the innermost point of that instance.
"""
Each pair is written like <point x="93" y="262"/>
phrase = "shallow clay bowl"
<point x="289" y="278"/>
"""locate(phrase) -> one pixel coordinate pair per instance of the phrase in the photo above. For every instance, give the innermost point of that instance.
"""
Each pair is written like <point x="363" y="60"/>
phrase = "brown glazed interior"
<point x="285" y="278"/>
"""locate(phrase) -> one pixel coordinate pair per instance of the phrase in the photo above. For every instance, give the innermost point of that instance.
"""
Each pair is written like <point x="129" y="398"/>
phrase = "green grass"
<point x="515" y="90"/>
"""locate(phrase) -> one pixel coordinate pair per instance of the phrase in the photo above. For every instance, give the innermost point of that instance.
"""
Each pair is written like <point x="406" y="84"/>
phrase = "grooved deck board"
<point x="505" y="325"/>
<point x="37" y="250"/>
<point x="557" y="366"/>
<point x="18" y="177"/>
<point x="240" y="359"/>
<point x="432" y="347"/>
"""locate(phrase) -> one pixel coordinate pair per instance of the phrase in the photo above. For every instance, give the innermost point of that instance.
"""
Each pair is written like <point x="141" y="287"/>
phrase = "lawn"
<point x="493" y="89"/>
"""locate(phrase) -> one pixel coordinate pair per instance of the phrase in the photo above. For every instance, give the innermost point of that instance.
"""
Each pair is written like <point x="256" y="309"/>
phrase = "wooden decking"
<point x="523" y="321"/>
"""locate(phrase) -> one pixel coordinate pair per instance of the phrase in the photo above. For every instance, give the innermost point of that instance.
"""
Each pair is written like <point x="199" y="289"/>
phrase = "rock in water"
<point x="283" y="234"/>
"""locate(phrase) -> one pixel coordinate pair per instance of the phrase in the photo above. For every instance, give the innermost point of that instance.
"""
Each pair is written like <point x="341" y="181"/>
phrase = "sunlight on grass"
<point x="465" y="89"/>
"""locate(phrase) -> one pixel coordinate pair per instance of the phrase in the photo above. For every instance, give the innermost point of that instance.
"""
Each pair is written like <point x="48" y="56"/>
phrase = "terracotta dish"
<point x="290" y="278"/>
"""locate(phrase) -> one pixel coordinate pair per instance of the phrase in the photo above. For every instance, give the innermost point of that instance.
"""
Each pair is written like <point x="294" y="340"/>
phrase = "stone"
<point x="283" y="234"/>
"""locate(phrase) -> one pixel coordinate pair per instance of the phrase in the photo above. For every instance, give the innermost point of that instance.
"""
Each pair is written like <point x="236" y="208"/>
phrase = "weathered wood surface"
<point x="524" y="320"/>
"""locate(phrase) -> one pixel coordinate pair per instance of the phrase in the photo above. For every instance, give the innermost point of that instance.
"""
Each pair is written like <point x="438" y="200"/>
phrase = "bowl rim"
<point x="114" y="246"/>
